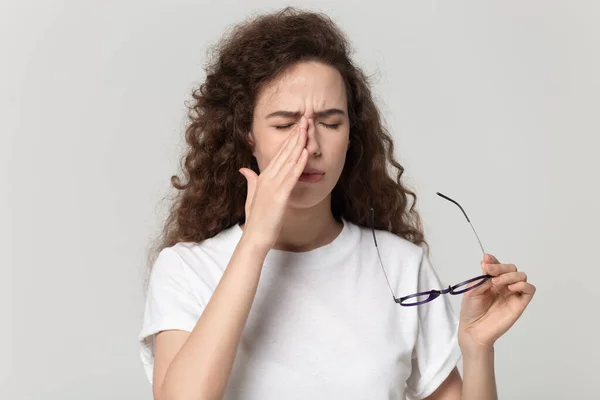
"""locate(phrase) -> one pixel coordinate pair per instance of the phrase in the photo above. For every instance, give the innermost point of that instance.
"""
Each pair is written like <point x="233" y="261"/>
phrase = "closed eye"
<point x="328" y="126"/>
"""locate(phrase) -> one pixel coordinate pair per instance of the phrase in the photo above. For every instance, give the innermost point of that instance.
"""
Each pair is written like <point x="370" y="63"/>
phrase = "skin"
<point x="197" y="364"/>
<point x="306" y="89"/>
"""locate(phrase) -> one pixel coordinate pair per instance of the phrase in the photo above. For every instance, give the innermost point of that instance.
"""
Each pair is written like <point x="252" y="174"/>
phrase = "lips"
<point x="311" y="175"/>
<point x="311" y="171"/>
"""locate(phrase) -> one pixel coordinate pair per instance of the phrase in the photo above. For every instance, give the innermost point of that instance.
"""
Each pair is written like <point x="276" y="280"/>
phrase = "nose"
<point x="312" y="142"/>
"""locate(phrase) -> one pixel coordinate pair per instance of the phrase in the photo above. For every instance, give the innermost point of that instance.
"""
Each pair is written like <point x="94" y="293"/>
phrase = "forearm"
<point x="202" y="367"/>
<point x="479" y="380"/>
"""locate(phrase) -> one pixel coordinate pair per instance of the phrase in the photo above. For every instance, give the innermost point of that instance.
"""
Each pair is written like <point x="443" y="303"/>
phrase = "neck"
<point x="307" y="229"/>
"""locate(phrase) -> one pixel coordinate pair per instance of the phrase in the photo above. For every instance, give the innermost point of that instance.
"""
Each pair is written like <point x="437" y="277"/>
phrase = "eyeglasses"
<point x="425" y="297"/>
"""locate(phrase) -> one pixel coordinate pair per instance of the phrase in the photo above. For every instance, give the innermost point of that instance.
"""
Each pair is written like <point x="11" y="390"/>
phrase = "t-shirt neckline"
<point x="315" y="258"/>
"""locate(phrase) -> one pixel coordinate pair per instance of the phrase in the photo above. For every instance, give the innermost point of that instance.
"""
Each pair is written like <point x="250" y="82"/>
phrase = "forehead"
<point x="309" y="85"/>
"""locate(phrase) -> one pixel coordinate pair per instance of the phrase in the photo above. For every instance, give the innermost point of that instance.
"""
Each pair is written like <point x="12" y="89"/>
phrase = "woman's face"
<point x="316" y="91"/>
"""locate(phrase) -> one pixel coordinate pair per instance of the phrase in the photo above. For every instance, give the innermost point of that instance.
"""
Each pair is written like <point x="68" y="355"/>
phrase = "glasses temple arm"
<point x="480" y="245"/>
<point x="466" y="216"/>
<point x="379" y="255"/>
<point x="384" y="273"/>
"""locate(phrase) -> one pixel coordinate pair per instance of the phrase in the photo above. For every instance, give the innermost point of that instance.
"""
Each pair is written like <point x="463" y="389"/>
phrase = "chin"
<point x="306" y="198"/>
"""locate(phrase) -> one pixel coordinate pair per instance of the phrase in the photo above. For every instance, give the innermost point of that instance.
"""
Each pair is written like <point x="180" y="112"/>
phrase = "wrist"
<point x="479" y="381"/>
<point x="477" y="352"/>
<point x="254" y="248"/>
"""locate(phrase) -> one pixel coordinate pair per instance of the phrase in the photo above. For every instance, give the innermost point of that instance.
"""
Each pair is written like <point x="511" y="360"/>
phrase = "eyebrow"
<point x="297" y="114"/>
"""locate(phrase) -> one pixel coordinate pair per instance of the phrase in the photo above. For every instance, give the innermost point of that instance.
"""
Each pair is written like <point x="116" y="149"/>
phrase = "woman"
<point x="267" y="284"/>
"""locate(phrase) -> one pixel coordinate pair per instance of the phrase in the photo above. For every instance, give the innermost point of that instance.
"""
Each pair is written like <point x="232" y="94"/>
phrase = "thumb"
<point x="251" y="178"/>
<point x="488" y="259"/>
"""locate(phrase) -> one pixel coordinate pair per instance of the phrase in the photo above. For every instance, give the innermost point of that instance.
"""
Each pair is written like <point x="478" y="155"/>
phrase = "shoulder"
<point x="405" y="263"/>
<point x="223" y="242"/>
<point x="392" y="245"/>
<point x="193" y="261"/>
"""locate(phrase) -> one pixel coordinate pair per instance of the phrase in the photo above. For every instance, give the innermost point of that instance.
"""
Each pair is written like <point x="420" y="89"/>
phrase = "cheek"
<point x="340" y="149"/>
<point x="265" y="153"/>
<point x="340" y="160"/>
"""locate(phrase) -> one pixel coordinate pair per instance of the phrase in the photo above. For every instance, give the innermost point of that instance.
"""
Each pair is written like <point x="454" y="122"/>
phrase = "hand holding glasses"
<point x="425" y="297"/>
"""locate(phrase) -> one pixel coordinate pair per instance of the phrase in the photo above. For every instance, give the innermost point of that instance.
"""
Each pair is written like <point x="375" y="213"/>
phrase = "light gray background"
<point x="493" y="103"/>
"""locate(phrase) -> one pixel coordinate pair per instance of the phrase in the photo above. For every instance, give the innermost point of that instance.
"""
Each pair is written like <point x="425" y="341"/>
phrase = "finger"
<point x="282" y="147"/>
<point x="490" y="258"/>
<point x="294" y="141"/>
<point x="250" y="176"/>
<point x="294" y="174"/>
<point x="295" y="153"/>
<point x="251" y="180"/>
<point x="480" y="289"/>
<point x="499" y="269"/>
<point x="509" y="278"/>
<point x="523" y="287"/>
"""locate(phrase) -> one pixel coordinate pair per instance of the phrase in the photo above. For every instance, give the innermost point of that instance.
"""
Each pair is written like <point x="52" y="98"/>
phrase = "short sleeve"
<point x="170" y="304"/>
<point x="436" y="351"/>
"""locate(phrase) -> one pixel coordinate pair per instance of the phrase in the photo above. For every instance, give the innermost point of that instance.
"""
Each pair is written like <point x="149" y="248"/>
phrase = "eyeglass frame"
<point x="433" y="293"/>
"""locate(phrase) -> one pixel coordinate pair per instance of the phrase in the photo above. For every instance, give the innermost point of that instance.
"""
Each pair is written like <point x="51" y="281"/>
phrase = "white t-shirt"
<point x="323" y="324"/>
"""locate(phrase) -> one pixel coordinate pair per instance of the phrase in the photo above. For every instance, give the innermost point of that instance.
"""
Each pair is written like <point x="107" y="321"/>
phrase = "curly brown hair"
<point x="211" y="194"/>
